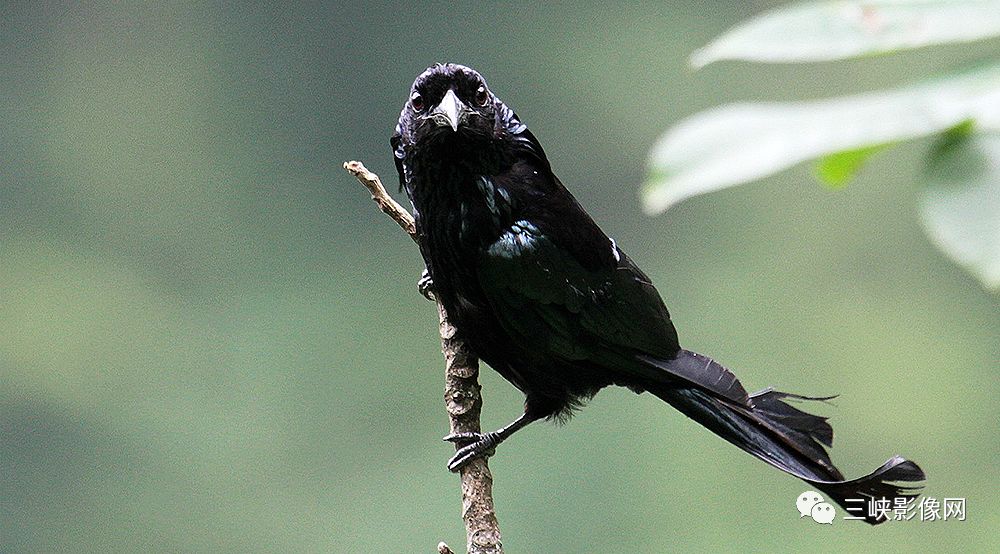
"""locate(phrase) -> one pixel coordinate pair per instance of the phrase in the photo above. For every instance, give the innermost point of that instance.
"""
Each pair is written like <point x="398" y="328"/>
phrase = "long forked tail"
<point x="791" y="440"/>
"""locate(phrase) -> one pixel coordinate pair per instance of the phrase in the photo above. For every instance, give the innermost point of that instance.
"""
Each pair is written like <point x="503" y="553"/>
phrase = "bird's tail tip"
<point x="875" y="497"/>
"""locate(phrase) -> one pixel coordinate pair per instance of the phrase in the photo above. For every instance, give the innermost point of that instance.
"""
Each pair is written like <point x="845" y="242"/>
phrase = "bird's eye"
<point x="417" y="101"/>
<point x="482" y="96"/>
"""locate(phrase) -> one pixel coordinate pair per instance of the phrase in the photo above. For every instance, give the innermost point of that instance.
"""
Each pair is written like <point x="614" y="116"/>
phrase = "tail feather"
<point x="793" y="441"/>
<point x="804" y="432"/>
<point x="885" y="483"/>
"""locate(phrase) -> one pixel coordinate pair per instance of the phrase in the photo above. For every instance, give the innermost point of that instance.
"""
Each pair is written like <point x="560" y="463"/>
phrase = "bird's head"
<point x="449" y="105"/>
<point x="451" y="114"/>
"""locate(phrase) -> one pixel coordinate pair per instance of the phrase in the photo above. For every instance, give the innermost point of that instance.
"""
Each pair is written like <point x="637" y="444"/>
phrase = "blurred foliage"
<point x="210" y="340"/>
<point x="826" y="30"/>
<point x="736" y="144"/>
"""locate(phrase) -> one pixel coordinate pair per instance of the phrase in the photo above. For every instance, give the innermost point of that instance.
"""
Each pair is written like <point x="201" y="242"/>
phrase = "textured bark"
<point x="462" y="397"/>
<point x="463" y="401"/>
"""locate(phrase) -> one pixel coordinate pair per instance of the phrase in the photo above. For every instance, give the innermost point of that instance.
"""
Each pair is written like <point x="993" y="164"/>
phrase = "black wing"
<point x="612" y="316"/>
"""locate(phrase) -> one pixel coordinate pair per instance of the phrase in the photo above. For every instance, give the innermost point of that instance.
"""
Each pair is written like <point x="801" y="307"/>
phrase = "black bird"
<point x="549" y="301"/>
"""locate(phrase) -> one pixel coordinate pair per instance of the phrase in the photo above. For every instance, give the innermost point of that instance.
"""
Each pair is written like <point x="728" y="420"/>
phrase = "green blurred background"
<point x="210" y="339"/>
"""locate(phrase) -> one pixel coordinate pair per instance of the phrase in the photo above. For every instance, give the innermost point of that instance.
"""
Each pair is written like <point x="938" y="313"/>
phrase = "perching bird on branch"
<point x="541" y="294"/>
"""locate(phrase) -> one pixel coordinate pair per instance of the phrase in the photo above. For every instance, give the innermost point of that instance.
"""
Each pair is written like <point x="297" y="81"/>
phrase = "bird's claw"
<point x="426" y="285"/>
<point x="481" y="445"/>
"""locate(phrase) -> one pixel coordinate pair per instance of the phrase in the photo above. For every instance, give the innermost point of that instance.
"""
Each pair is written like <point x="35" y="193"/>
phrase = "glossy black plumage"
<point x="549" y="301"/>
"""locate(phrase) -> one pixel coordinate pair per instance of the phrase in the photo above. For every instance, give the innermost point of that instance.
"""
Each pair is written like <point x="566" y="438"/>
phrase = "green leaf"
<point x="822" y="31"/>
<point x="837" y="169"/>
<point x="960" y="202"/>
<point x="738" y="143"/>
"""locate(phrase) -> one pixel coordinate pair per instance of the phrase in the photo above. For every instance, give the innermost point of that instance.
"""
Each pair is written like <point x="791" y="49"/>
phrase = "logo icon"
<point x="810" y="503"/>
<point x="823" y="512"/>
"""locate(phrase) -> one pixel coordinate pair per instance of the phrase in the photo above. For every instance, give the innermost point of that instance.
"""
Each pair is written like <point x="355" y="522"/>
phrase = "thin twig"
<point x="385" y="202"/>
<point x="461" y="396"/>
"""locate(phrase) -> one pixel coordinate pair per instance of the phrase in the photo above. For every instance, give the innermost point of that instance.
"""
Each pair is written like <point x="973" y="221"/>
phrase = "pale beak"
<point x="449" y="111"/>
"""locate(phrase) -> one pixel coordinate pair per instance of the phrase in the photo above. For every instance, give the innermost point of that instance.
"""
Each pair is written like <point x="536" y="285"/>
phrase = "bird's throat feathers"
<point x="467" y="207"/>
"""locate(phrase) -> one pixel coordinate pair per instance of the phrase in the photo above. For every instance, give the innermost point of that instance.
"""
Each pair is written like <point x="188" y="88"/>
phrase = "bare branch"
<point x="385" y="202"/>
<point x="461" y="396"/>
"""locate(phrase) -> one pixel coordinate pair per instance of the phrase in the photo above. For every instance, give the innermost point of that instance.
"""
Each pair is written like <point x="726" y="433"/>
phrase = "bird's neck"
<point x="465" y="208"/>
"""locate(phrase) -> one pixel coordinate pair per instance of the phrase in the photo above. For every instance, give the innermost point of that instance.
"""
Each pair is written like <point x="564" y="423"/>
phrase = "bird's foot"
<point x="482" y="445"/>
<point x="426" y="285"/>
